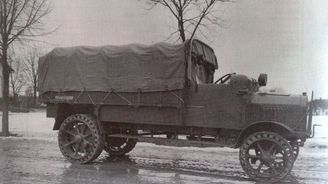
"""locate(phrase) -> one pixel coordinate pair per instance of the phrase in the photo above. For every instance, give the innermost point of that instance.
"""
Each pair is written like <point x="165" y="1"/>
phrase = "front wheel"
<point x="79" y="138"/>
<point x="266" y="156"/>
<point x="296" y="148"/>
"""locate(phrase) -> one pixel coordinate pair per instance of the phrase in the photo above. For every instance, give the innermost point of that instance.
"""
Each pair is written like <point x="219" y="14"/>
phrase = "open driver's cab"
<point x="203" y="63"/>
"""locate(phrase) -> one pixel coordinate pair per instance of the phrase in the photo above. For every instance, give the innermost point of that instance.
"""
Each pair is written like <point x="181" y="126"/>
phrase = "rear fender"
<point x="65" y="110"/>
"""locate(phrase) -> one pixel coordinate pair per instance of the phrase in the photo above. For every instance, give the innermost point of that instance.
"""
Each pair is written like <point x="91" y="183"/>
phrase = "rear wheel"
<point x="79" y="138"/>
<point x="266" y="156"/>
<point x="117" y="146"/>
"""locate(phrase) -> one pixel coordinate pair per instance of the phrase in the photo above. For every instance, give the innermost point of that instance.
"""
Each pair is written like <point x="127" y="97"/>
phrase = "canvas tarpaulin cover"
<point x="127" y="68"/>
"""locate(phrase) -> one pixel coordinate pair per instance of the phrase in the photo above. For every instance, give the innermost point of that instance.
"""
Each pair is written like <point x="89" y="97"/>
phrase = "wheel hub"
<point x="78" y="138"/>
<point x="267" y="157"/>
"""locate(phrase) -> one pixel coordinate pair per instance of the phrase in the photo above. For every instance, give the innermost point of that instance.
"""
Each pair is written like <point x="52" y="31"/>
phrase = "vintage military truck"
<point x="109" y="98"/>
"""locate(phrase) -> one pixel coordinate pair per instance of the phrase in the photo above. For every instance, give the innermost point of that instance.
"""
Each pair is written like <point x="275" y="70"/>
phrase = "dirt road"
<point x="35" y="158"/>
<point x="39" y="161"/>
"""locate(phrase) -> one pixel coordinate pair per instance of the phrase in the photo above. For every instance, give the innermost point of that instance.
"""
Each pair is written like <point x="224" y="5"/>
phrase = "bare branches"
<point x="172" y="35"/>
<point x="32" y="24"/>
<point x="17" y="77"/>
<point x="30" y="64"/>
<point x="19" y="19"/>
<point x="204" y="13"/>
<point x="191" y="12"/>
<point x="30" y="68"/>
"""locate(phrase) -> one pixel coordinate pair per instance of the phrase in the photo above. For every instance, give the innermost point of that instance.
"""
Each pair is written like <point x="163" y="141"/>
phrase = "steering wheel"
<point x="224" y="78"/>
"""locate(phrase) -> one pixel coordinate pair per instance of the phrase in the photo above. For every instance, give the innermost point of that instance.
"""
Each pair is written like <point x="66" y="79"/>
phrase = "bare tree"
<point x="17" y="77"/>
<point x="191" y="15"/>
<point x="19" y="21"/>
<point x="30" y="69"/>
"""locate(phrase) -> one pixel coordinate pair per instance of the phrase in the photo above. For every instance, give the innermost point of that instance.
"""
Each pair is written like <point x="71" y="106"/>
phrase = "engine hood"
<point x="279" y="99"/>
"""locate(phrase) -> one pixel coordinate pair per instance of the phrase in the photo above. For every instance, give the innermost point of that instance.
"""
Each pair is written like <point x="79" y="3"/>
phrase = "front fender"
<point x="271" y="126"/>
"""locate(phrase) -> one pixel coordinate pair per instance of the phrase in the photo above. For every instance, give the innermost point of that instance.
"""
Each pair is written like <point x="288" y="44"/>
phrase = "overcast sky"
<point x="287" y="39"/>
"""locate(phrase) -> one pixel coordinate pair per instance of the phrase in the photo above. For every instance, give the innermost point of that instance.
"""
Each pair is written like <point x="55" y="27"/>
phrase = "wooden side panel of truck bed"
<point x="207" y="105"/>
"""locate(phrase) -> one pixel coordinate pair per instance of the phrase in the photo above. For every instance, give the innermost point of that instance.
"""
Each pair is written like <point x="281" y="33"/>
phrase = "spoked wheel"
<point x="119" y="146"/>
<point x="79" y="138"/>
<point x="266" y="156"/>
<point x="296" y="148"/>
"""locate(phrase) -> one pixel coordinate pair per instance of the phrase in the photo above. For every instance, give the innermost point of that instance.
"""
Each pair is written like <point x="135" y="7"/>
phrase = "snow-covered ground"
<point x="34" y="157"/>
<point x="320" y="141"/>
<point x="33" y="124"/>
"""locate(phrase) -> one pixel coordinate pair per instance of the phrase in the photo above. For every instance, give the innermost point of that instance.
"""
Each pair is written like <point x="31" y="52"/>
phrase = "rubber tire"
<point x="268" y="136"/>
<point x="90" y="121"/>
<point x="296" y="149"/>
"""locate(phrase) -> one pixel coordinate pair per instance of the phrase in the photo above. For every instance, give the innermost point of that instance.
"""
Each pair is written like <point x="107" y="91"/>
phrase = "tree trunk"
<point x="182" y="32"/>
<point x="5" y="73"/>
<point x="34" y="90"/>
<point x="181" y="26"/>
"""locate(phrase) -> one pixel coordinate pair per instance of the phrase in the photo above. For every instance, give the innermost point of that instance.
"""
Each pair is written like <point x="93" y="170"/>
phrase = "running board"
<point x="172" y="142"/>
